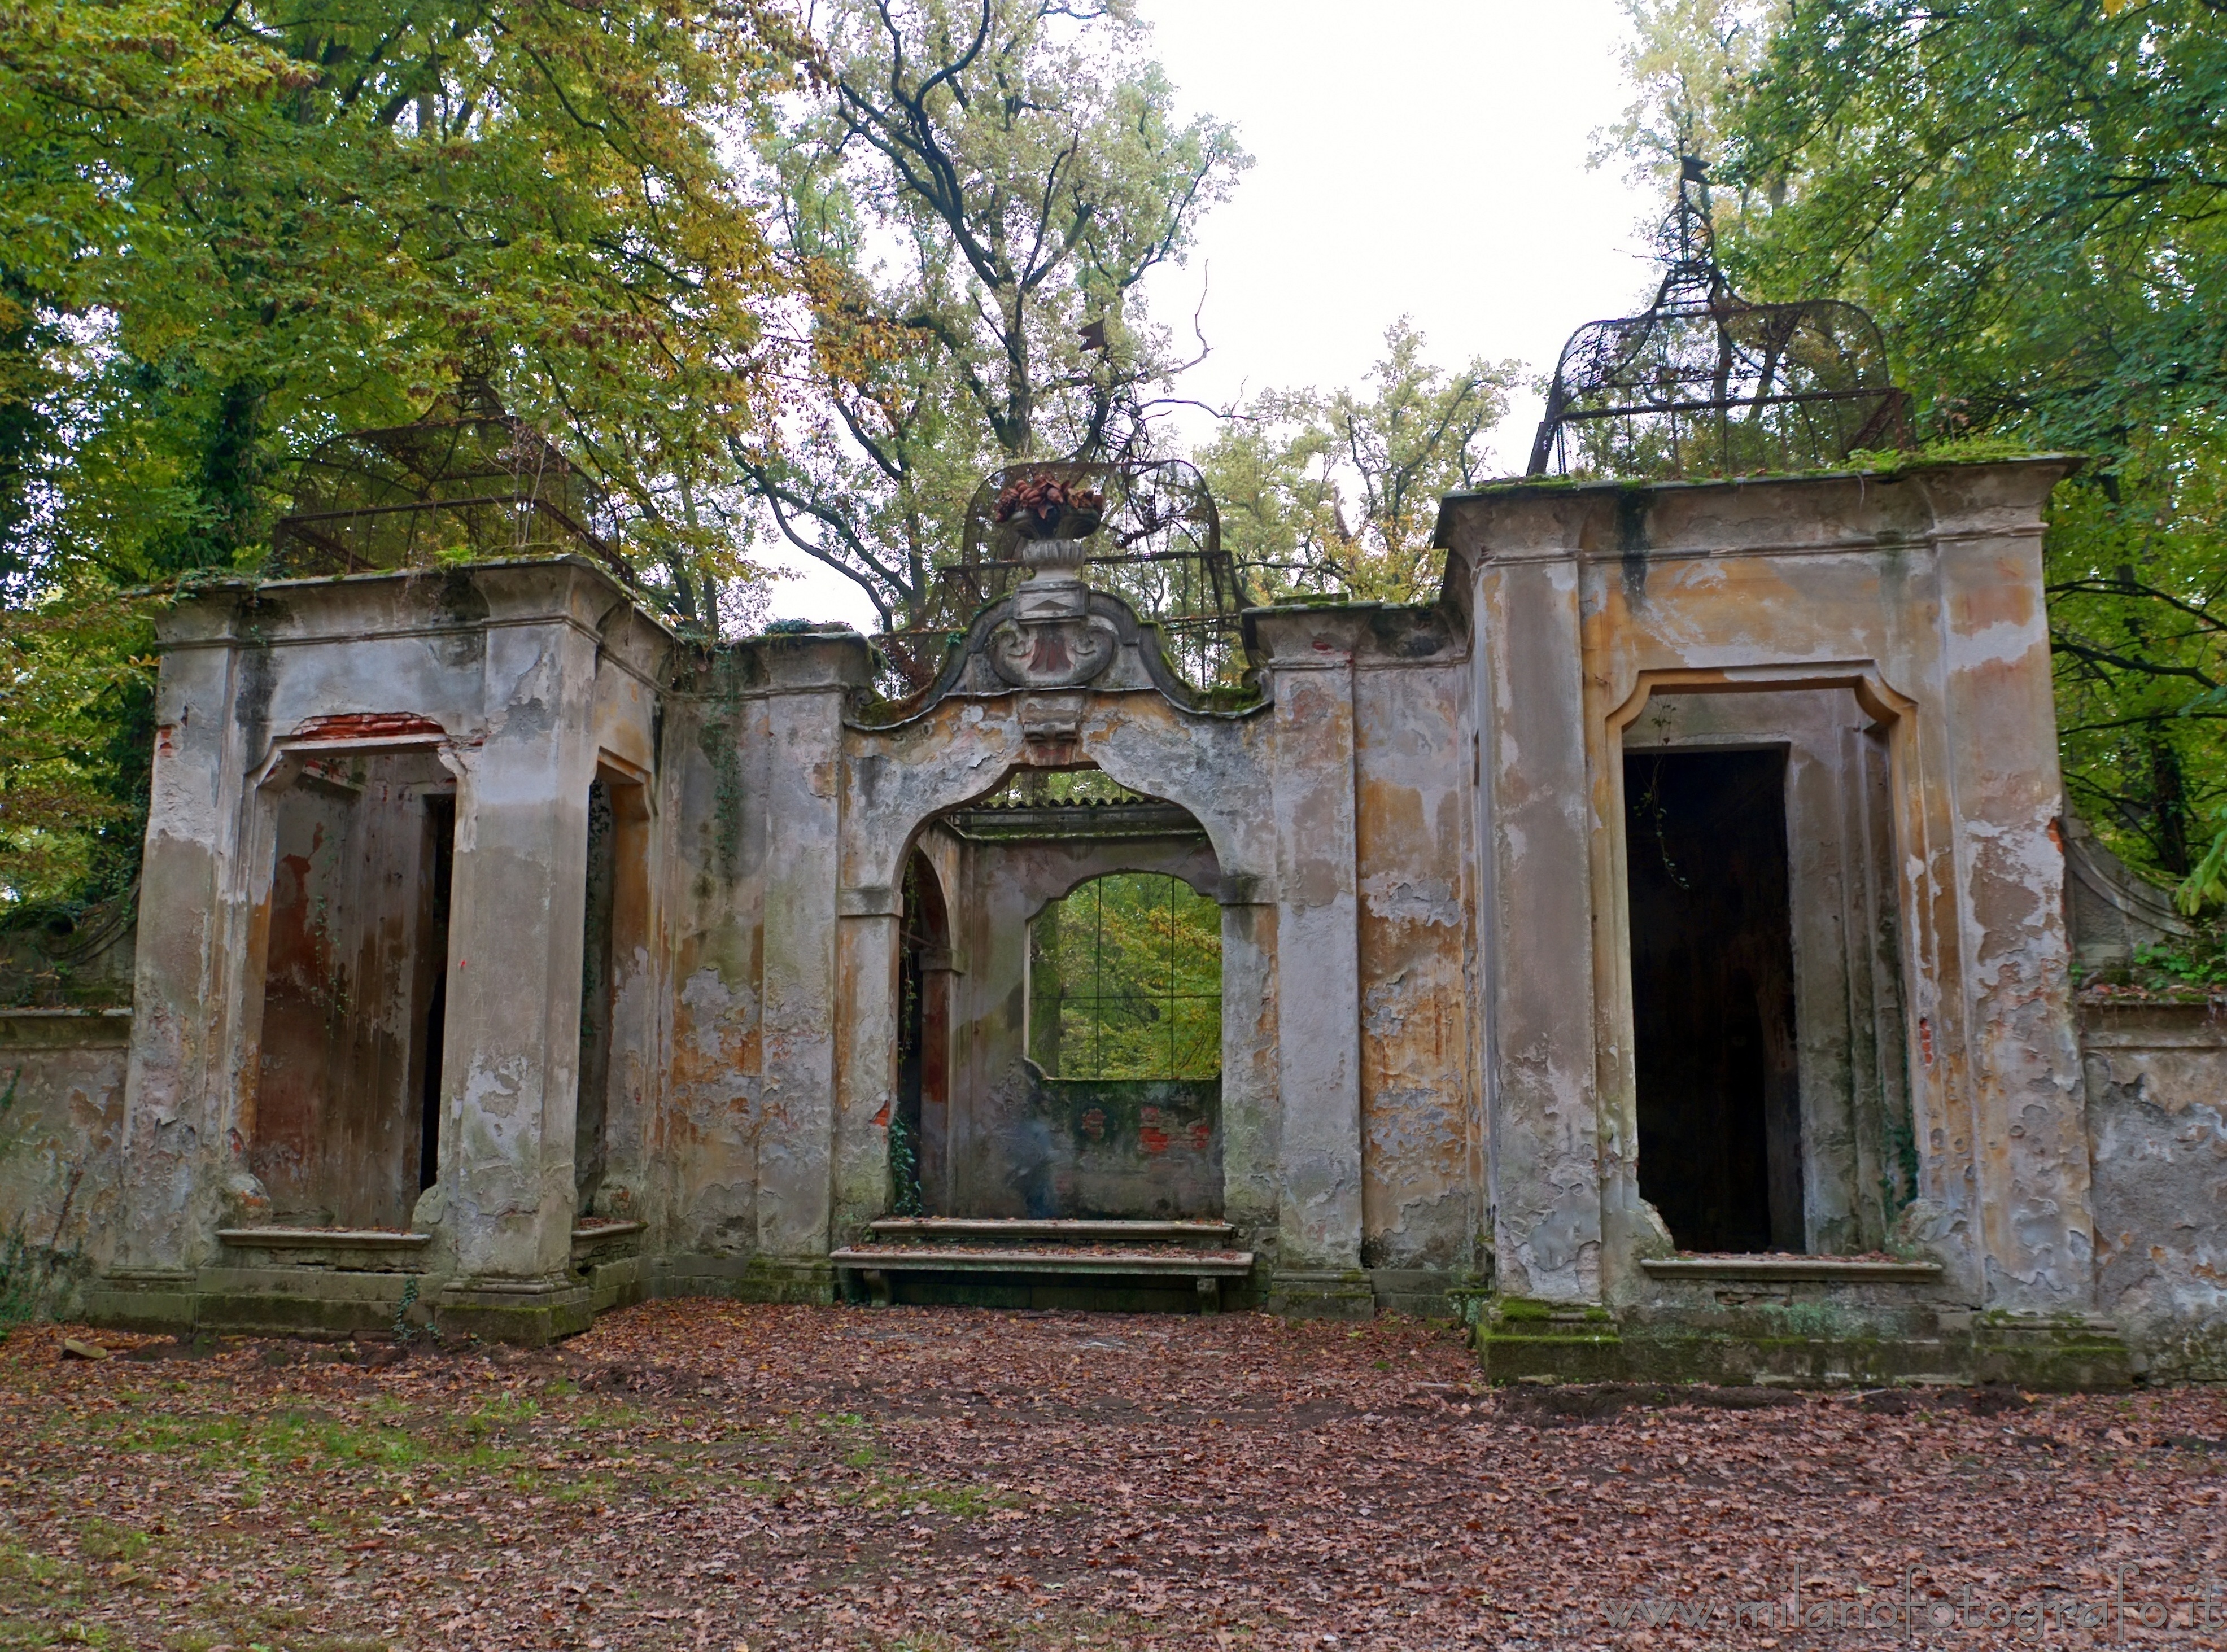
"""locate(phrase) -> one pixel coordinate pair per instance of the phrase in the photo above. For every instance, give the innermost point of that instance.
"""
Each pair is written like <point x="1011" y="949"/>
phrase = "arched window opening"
<point x="1125" y="981"/>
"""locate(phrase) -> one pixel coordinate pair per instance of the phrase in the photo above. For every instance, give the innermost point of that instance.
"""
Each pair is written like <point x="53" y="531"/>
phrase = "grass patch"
<point x="287" y="1439"/>
<point x="104" y="1540"/>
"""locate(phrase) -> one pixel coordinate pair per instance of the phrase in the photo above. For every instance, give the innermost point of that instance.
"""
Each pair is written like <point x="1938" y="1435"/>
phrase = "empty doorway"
<point x="348" y="993"/>
<point x="1713" y="996"/>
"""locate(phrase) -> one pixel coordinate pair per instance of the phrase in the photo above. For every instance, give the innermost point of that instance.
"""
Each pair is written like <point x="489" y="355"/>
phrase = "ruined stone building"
<point x="1654" y="950"/>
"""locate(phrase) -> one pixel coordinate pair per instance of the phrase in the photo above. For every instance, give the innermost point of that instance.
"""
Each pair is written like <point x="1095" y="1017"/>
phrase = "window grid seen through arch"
<point x="1126" y="981"/>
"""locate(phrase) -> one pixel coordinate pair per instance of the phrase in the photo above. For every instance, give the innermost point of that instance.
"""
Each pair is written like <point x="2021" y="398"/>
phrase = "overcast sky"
<point x="1417" y="157"/>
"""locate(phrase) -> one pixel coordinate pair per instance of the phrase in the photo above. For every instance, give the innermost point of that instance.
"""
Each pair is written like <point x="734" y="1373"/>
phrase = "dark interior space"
<point x="917" y="1128"/>
<point x="433" y="987"/>
<point x="1712" y="998"/>
<point x="599" y="913"/>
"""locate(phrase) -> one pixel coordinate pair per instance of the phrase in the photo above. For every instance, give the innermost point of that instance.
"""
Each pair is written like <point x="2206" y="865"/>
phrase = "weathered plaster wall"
<point x="751" y="751"/>
<point x="1415" y="838"/>
<point x="2157" y="1123"/>
<point x="1422" y="1127"/>
<point x="517" y="679"/>
<point x="961" y="748"/>
<point x="61" y="1161"/>
<point x="705" y="1130"/>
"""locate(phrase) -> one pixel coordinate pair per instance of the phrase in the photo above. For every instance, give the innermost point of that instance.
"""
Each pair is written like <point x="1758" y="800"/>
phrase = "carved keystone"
<point x="1051" y="719"/>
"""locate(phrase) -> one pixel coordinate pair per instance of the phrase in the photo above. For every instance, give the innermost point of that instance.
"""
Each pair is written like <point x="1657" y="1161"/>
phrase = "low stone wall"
<point x="61" y="1139"/>
<point x="2157" y="1126"/>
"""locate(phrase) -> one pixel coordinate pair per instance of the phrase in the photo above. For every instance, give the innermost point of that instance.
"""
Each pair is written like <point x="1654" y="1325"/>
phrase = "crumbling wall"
<point x="1421" y="1146"/>
<point x="1921" y="594"/>
<point x="2157" y="1125"/>
<point x="2111" y="911"/>
<point x="62" y="1077"/>
<point x="63" y="1055"/>
<point x="960" y="750"/>
<point x="707" y="1128"/>
<point x="58" y="961"/>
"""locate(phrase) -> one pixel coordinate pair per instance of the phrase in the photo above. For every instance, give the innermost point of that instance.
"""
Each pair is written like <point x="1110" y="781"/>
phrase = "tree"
<point x="2032" y="195"/>
<point x="975" y="217"/>
<point x="1340" y="493"/>
<point x="229" y="231"/>
<point x="281" y="220"/>
<point x="1688" y="62"/>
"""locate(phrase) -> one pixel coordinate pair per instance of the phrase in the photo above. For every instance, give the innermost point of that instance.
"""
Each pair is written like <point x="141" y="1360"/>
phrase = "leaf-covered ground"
<point x="704" y="1475"/>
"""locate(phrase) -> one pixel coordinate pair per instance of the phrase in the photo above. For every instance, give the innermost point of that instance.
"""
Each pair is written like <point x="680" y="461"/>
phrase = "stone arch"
<point x="897" y="781"/>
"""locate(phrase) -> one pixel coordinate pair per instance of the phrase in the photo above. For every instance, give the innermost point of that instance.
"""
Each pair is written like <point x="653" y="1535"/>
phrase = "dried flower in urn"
<point x="1044" y="506"/>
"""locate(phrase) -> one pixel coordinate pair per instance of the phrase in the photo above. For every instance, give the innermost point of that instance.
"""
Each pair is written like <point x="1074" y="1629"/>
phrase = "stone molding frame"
<point x="978" y="663"/>
<point x="1833" y="1189"/>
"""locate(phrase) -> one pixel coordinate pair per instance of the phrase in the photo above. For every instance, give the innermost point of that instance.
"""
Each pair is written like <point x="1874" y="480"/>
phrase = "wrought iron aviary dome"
<point x="468" y="480"/>
<point x="1706" y="384"/>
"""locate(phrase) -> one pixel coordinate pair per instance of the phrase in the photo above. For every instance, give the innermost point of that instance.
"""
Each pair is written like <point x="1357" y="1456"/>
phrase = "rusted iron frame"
<point x="1618" y="344"/>
<point x="297" y="526"/>
<point x="1714" y="406"/>
<point x="469" y="450"/>
<point x="1123" y="561"/>
<point x="979" y="580"/>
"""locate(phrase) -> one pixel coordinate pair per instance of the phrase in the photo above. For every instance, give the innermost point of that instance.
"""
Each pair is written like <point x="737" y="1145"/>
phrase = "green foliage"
<point x="76" y="736"/>
<point x="405" y="1330"/>
<point x="1126" y="981"/>
<point x="1340" y="493"/>
<point x="269" y="224"/>
<point x="227" y="232"/>
<point x="904" y="1167"/>
<point x="2205" y="886"/>
<point x="973" y="218"/>
<point x="1687" y="62"/>
<point x="2029" y="197"/>
<point x="2202" y="962"/>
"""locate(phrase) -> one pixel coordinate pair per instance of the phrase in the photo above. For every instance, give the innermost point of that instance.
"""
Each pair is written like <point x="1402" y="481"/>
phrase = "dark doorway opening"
<point x="918" y="1128"/>
<point x="441" y="859"/>
<point x="1712" y="998"/>
<point x="599" y="920"/>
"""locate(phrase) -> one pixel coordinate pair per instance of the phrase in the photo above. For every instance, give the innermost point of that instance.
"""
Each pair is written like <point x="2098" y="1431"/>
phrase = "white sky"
<point x="1417" y="157"/>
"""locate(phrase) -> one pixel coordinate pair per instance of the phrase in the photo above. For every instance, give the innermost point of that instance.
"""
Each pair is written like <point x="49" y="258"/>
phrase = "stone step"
<point x="1000" y="1230"/>
<point x="1047" y="1259"/>
<point x="940" y="1245"/>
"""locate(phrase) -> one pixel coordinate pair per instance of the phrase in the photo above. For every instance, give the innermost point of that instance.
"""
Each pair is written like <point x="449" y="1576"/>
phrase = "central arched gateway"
<point x="1083" y="1067"/>
<point x="1252" y="802"/>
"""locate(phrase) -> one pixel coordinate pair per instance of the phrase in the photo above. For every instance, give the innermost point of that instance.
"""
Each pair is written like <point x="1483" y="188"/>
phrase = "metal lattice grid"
<point x="1126" y="981"/>
<point x="1705" y="384"/>
<point x="467" y="481"/>
<point x="1159" y="548"/>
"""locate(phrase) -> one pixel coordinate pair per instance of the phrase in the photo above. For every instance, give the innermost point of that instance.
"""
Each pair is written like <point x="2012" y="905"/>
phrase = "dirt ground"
<point x="704" y="1475"/>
